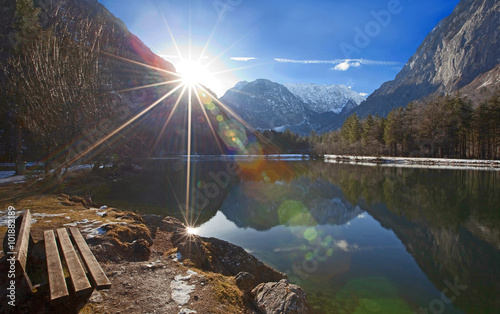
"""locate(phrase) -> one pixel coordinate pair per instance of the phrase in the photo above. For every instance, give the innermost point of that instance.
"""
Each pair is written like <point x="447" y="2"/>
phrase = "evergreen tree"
<point x="481" y="130"/>
<point x="351" y="129"/>
<point x="494" y="113"/>
<point x="462" y="118"/>
<point x="367" y="135"/>
<point x="393" y="132"/>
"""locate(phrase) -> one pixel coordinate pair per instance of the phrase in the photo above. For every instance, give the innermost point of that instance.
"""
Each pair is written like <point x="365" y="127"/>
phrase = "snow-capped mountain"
<point x="326" y="98"/>
<point x="268" y="105"/>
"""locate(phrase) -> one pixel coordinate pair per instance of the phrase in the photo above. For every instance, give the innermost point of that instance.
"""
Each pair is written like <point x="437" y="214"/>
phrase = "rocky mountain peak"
<point x="299" y="107"/>
<point x="460" y="48"/>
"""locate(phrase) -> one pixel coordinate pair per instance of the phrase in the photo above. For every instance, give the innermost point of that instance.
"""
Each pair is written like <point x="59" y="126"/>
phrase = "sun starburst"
<point x="193" y="72"/>
<point x="189" y="86"/>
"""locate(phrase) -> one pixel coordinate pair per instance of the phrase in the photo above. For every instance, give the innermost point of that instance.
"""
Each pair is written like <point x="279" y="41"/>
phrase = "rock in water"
<point x="280" y="297"/>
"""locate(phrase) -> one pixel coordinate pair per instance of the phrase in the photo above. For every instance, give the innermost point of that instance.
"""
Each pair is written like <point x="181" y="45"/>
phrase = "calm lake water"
<point x="358" y="239"/>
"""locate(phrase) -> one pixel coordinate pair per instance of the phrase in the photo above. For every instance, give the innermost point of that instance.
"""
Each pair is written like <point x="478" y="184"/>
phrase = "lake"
<point x="357" y="238"/>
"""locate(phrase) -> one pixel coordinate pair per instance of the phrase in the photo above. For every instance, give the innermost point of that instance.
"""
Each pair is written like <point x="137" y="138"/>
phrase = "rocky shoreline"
<point x="154" y="264"/>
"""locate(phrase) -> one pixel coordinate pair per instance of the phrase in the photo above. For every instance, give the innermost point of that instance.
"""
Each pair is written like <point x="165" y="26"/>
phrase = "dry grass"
<point x="226" y="296"/>
<point x="91" y="308"/>
<point x="59" y="211"/>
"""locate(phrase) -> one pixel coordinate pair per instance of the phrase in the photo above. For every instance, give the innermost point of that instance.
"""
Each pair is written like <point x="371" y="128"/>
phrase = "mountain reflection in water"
<point x="356" y="238"/>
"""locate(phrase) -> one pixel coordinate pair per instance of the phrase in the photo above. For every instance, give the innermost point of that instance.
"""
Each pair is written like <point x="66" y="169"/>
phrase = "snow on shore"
<point x="442" y="163"/>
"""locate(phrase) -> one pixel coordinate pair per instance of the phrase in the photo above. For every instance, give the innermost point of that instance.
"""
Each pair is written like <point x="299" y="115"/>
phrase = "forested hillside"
<point x="441" y="127"/>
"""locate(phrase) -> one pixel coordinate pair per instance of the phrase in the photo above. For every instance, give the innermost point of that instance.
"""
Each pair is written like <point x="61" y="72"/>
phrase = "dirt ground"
<point x="145" y="287"/>
<point x="137" y="287"/>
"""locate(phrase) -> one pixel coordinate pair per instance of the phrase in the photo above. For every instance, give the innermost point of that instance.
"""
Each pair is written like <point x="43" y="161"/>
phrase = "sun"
<point x="193" y="72"/>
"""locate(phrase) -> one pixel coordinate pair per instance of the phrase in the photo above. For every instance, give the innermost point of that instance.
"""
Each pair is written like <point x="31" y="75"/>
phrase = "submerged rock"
<point x="281" y="297"/>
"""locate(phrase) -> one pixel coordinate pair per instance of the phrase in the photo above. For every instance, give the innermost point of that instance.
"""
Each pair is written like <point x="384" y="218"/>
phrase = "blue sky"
<point x="293" y="41"/>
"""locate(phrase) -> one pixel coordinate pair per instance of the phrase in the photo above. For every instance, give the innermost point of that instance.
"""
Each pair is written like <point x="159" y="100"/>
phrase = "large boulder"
<point x="232" y="259"/>
<point x="245" y="282"/>
<point x="192" y="248"/>
<point x="222" y="257"/>
<point x="165" y="224"/>
<point x="280" y="297"/>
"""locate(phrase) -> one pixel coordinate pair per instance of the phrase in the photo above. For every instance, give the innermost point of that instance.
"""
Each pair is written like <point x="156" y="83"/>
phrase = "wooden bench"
<point x="63" y="248"/>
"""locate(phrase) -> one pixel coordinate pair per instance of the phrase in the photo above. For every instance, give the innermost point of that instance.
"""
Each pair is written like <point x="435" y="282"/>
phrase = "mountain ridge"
<point x="460" y="48"/>
<point x="326" y="98"/>
<point x="269" y="105"/>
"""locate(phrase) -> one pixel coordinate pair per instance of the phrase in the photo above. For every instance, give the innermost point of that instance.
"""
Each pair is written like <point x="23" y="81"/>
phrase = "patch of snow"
<point x="103" y="207"/>
<point x="185" y="310"/>
<point x="181" y="291"/>
<point x="100" y="213"/>
<point x="407" y="162"/>
<point x="96" y="297"/>
<point x="73" y="224"/>
<point x="92" y="232"/>
<point x="13" y="180"/>
<point x="46" y="215"/>
<point x="280" y="128"/>
<point x="80" y="167"/>
<point x="182" y="278"/>
<point x="6" y="174"/>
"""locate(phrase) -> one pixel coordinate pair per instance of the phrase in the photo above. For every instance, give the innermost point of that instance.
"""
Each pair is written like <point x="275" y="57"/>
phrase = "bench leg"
<point x="26" y="284"/>
<point x="72" y="304"/>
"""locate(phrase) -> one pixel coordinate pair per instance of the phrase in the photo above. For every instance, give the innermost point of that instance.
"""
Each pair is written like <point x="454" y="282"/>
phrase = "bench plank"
<point x="79" y="279"/>
<point x="22" y="243"/>
<point x="97" y="274"/>
<point x="57" y="283"/>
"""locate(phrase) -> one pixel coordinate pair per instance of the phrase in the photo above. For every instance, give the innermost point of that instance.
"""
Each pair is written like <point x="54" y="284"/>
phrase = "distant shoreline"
<point x="411" y="162"/>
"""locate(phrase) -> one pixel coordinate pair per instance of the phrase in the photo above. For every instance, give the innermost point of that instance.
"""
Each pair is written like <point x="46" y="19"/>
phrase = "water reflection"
<point x="357" y="238"/>
<point x="263" y="205"/>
